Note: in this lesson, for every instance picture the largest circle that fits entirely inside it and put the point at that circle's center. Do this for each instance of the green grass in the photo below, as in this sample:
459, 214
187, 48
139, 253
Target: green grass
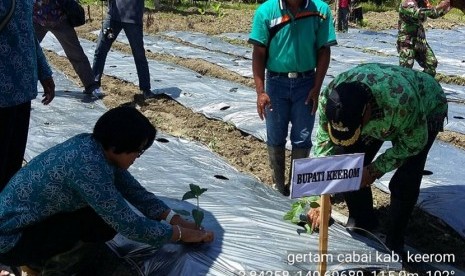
370, 6
455, 14
92, 2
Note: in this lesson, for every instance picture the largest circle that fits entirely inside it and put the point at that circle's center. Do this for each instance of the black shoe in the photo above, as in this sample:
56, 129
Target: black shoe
148, 94
287, 191
364, 230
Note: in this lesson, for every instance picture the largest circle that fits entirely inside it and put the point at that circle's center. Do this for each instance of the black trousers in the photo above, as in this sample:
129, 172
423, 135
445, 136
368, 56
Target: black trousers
404, 184
14, 127
57, 234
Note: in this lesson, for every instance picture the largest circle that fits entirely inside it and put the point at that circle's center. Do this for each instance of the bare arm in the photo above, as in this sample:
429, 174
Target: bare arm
324, 56
258, 68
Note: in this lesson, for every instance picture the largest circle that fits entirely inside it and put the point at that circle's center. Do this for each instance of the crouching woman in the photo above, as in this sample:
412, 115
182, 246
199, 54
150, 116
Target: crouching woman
77, 192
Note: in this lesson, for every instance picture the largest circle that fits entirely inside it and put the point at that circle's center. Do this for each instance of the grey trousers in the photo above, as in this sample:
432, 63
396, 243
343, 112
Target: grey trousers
68, 39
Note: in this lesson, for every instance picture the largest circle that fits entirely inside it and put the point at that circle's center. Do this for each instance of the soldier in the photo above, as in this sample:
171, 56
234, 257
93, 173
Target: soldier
411, 38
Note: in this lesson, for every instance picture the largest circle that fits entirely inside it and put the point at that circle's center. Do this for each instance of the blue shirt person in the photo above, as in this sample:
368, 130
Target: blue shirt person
77, 193
22, 64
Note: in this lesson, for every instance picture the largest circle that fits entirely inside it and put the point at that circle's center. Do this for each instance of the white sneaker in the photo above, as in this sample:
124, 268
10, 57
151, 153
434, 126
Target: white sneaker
98, 93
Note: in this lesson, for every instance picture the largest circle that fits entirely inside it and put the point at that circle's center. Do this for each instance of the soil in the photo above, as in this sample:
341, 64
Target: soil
245, 152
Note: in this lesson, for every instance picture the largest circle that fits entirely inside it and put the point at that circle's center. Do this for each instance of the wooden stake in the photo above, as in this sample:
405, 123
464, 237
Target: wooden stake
323, 248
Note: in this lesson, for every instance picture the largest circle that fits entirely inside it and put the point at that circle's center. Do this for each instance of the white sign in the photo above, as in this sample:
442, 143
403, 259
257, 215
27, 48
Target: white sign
326, 175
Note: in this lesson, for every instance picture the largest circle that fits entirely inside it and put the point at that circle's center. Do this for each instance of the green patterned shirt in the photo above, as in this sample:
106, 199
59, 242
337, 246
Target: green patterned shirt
412, 15
406, 101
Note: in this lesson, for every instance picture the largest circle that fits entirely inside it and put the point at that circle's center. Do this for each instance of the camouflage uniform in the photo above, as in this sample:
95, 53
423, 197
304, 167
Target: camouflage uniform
411, 39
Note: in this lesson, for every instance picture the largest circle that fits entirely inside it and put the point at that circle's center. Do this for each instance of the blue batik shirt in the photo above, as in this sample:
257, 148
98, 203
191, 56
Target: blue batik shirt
74, 175
22, 62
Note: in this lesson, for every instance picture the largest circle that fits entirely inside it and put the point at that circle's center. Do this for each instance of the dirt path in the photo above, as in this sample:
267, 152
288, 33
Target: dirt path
243, 151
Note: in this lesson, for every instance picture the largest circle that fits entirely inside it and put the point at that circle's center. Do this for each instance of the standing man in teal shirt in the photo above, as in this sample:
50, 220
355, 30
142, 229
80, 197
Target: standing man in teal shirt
291, 40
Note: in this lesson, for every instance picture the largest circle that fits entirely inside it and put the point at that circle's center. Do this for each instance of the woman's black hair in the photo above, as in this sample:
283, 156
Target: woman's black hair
124, 130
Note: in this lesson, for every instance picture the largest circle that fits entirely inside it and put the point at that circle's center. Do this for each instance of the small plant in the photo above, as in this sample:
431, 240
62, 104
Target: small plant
213, 144
195, 192
362, 23
218, 10
299, 209
202, 10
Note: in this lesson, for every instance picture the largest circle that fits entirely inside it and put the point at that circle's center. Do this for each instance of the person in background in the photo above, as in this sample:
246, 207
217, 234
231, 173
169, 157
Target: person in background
76, 194
411, 37
360, 110
49, 16
291, 40
343, 12
124, 15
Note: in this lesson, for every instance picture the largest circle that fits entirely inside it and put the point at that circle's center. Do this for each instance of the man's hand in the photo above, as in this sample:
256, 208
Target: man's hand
444, 5
313, 97
263, 102
367, 178
49, 90
313, 217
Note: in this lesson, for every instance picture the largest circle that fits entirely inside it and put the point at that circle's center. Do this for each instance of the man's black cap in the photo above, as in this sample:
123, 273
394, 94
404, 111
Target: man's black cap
344, 110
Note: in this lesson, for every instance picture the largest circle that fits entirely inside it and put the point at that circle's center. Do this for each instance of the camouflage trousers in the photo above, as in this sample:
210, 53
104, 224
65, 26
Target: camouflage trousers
424, 55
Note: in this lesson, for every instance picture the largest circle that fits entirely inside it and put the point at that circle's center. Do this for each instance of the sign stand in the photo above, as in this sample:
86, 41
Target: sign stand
324, 176
325, 208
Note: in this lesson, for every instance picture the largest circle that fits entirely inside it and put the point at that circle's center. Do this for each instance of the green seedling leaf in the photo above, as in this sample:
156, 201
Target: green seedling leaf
294, 214
198, 216
314, 204
196, 190
203, 190
309, 228
188, 195
289, 215
297, 214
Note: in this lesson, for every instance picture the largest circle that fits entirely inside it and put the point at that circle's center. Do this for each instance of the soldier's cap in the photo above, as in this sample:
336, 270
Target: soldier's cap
344, 110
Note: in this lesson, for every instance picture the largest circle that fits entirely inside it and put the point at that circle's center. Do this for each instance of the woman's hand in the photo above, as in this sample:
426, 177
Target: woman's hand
191, 235
178, 220
186, 231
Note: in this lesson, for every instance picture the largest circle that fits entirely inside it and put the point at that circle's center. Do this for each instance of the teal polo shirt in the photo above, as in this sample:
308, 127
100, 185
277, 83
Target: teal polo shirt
292, 41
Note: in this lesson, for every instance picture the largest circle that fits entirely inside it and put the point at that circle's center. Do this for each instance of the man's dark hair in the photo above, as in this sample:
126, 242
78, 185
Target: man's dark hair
124, 129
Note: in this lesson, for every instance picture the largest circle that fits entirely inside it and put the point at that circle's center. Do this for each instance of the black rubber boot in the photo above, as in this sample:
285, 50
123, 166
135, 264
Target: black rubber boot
361, 211
277, 157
